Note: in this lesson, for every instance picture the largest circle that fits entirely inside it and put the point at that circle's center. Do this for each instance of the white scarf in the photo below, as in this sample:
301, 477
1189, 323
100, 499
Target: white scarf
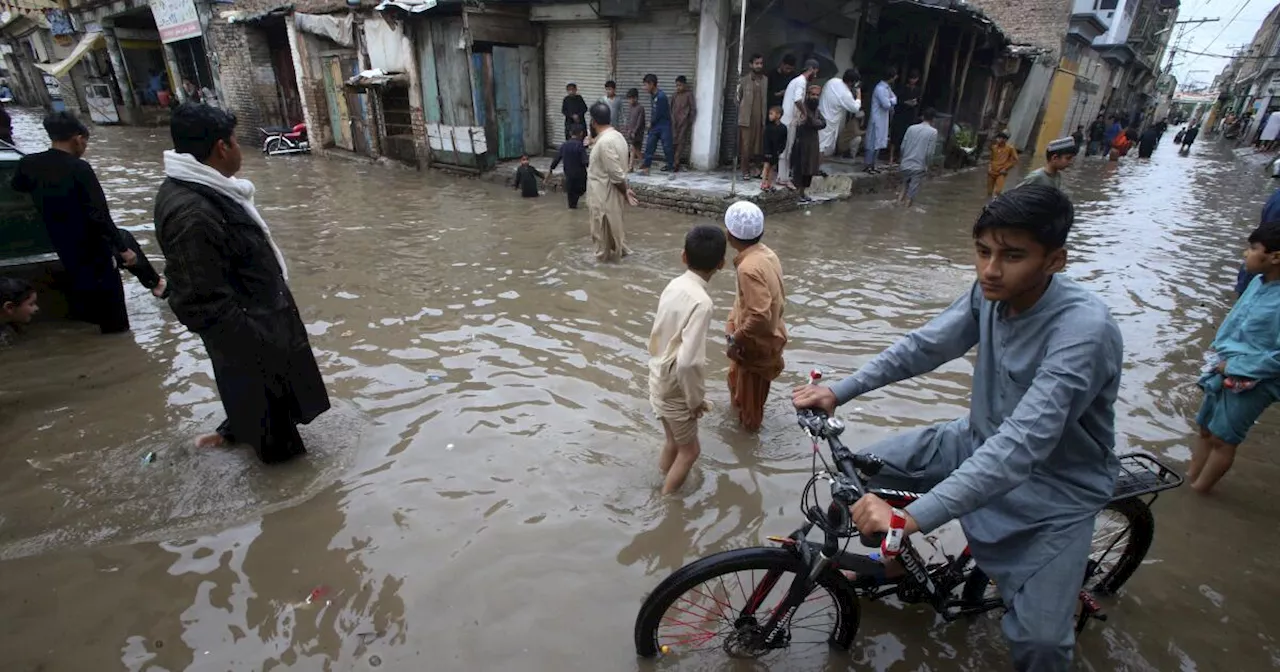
185, 167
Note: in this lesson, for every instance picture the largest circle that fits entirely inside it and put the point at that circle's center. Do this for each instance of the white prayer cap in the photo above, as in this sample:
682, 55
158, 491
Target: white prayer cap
745, 220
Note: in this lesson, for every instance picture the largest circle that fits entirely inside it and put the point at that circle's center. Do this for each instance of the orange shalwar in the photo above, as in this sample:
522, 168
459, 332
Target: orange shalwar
1003, 158
758, 332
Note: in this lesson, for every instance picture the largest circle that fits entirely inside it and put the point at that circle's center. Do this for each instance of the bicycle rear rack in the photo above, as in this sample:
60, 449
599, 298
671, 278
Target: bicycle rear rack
1143, 475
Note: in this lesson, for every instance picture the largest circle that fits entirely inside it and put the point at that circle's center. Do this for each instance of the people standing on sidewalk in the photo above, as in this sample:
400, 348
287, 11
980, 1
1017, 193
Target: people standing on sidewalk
1097, 136
1058, 156
905, 113
775, 141
918, 144
678, 354
684, 109
780, 78
70, 200
840, 100
882, 104
635, 129
574, 109
755, 333
607, 192
792, 113
617, 107
1003, 158
753, 111
229, 286
659, 126
806, 157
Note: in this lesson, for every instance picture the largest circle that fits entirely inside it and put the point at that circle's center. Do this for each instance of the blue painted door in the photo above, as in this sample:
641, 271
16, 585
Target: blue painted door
507, 102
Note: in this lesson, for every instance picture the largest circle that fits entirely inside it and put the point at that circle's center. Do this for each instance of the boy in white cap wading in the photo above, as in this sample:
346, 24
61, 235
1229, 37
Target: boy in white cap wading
1058, 156
755, 333
678, 354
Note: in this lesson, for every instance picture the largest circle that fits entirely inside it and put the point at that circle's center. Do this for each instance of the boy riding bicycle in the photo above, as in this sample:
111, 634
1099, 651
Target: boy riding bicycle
1032, 465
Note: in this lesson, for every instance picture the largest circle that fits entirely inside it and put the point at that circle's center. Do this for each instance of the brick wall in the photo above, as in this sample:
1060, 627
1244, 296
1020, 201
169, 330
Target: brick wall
1042, 23
236, 73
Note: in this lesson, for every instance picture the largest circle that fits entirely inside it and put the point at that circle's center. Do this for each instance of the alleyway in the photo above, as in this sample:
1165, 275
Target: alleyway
485, 497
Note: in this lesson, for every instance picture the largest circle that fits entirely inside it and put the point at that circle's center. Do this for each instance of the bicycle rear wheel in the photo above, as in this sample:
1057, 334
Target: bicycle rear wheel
716, 606
1122, 534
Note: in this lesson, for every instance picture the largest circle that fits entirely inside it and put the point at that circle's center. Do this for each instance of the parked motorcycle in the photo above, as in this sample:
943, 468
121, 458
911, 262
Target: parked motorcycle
282, 140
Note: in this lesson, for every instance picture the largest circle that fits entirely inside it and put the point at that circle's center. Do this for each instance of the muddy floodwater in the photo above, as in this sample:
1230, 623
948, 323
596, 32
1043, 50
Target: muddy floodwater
484, 495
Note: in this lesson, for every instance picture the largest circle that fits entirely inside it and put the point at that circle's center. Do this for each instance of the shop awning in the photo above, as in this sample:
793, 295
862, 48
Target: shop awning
89, 41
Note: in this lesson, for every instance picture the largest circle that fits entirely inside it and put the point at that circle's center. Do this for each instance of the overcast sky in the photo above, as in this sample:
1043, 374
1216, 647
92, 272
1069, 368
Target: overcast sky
1214, 38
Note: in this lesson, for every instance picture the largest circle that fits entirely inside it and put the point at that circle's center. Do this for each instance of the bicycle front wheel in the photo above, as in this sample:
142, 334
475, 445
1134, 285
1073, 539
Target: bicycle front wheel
719, 605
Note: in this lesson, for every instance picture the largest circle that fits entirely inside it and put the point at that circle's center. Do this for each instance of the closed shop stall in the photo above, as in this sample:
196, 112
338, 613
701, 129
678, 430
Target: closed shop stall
772, 36
578, 52
664, 43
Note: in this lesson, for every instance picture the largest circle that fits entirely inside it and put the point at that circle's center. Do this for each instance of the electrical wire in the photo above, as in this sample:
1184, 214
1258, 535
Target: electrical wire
1229, 22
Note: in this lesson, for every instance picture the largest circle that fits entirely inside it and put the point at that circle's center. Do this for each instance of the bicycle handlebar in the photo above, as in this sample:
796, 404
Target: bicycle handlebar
847, 486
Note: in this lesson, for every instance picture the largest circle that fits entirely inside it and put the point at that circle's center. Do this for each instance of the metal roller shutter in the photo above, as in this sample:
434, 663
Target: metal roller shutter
665, 44
578, 53
729, 123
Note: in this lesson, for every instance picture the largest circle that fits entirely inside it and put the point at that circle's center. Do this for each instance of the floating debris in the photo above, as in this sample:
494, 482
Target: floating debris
149, 457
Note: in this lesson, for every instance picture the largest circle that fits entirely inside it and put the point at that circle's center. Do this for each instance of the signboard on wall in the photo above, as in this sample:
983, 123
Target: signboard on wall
176, 19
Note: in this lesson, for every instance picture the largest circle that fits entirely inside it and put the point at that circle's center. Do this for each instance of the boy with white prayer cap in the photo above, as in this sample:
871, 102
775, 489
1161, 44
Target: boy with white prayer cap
755, 332
1058, 156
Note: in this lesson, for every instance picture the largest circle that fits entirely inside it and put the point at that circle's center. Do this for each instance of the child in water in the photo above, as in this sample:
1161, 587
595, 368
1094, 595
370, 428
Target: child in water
17, 306
1241, 375
678, 354
526, 179
574, 155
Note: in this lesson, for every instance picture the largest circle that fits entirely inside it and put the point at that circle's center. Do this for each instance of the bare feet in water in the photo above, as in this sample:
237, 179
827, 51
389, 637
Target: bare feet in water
214, 440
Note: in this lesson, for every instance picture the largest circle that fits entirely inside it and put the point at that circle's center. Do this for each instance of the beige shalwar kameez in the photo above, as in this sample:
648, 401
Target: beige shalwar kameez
607, 170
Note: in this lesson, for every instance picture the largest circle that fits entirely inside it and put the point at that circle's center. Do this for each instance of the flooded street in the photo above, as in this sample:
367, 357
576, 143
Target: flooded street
485, 494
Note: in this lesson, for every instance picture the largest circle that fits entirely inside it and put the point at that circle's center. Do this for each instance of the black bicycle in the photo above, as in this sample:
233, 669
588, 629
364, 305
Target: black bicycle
741, 603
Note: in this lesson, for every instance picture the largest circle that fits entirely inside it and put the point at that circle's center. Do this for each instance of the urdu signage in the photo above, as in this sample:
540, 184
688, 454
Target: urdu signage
176, 19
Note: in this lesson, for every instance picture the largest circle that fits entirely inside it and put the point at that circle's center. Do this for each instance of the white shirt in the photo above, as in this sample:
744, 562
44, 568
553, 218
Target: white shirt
678, 348
837, 100
794, 94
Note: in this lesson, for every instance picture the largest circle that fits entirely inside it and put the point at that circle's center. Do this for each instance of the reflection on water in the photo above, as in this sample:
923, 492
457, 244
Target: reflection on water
485, 494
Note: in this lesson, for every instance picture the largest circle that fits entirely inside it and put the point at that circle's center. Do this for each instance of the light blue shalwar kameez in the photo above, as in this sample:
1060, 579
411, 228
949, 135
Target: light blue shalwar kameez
877, 138
1249, 342
1029, 469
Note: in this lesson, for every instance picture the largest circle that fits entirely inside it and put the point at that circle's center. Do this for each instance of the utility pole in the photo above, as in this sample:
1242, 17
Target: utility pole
1182, 30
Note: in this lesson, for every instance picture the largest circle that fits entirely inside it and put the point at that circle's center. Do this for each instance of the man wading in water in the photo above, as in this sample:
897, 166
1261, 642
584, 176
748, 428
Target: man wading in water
227, 281
1034, 462
607, 191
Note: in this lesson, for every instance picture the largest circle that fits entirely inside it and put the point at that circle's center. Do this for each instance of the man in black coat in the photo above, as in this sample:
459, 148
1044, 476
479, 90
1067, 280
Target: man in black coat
228, 284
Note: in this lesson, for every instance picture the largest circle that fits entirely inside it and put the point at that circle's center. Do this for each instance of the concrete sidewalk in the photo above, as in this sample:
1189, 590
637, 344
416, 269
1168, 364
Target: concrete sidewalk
710, 193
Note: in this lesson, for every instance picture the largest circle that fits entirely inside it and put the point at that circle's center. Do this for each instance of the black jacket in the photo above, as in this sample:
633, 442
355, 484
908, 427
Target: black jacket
574, 105
574, 156
226, 286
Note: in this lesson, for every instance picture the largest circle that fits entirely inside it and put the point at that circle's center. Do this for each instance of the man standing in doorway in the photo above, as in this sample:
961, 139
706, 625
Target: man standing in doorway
754, 332
69, 198
840, 99
753, 109
882, 102
229, 285
607, 190
574, 109
904, 113
780, 78
683, 111
792, 114
659, 126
